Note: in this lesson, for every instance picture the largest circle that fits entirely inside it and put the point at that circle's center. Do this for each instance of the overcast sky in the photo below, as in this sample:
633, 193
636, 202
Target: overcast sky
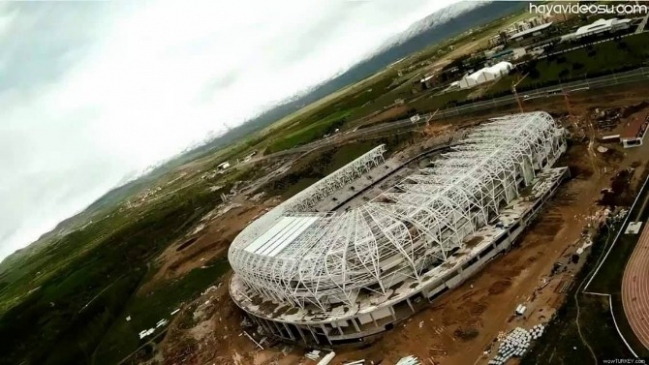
93, 92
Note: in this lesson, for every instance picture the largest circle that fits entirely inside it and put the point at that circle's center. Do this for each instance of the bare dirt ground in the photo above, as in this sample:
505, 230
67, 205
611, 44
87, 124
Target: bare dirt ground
208, 241
459, 326
209, 331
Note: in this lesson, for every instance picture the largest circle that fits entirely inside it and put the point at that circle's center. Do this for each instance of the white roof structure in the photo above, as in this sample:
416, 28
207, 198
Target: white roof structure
281, 235
429, 77
300, 257
538, 28
486, 74
602, 25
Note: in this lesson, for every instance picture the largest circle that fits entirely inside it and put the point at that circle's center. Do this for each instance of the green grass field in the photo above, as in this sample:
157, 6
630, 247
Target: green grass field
148, 308
295, 136
602, 58
87, 280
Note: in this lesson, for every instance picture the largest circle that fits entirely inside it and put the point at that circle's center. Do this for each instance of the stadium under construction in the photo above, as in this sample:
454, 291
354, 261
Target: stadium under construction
305, 273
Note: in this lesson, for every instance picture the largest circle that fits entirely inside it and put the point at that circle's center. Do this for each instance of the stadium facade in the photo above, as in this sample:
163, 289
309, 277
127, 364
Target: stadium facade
344, 276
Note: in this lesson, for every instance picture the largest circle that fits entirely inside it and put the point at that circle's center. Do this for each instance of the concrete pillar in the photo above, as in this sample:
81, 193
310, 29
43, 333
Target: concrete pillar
299, 329
290, 333
353, 320
324, 330
263, 325
279, 329
410, 305
254, 320
374, 320
341, 328
313, 334
394, 316
270, 327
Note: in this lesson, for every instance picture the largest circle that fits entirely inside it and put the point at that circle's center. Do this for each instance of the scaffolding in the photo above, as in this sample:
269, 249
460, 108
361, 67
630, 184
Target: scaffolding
404, 232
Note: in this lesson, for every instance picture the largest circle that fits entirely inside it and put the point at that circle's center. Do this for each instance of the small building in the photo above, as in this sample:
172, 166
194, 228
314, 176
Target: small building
527, 24
518, 53
602, 26
539, 47
497, 39
491, 52
538, 20
486, 74
249, 156
426, 82
532, 32
223, 165
634, 134
504, 55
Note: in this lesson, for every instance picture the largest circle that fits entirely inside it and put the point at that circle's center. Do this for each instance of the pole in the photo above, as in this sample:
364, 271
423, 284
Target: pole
565, 95
518, 100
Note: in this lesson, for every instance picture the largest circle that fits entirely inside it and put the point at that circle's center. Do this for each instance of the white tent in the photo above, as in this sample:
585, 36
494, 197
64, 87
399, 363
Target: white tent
486, 74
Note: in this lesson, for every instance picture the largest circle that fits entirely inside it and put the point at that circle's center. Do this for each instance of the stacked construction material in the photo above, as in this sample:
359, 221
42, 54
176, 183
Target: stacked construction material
313, 355
327, 359
514, 345
409, 360
356, 362
537, 331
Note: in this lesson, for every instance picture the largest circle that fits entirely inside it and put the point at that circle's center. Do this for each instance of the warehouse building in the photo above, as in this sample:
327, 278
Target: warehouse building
602, 26
532, 32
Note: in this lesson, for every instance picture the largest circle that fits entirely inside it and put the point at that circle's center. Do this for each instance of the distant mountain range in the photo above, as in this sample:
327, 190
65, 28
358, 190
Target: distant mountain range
441, 25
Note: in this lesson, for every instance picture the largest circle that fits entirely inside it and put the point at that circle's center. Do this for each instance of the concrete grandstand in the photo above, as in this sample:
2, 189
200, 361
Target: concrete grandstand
344, 276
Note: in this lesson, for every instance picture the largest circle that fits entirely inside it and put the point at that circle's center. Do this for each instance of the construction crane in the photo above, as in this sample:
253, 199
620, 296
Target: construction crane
518, 100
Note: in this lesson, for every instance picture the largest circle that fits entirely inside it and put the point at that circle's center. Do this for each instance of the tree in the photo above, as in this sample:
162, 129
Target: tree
534, 73
564, 73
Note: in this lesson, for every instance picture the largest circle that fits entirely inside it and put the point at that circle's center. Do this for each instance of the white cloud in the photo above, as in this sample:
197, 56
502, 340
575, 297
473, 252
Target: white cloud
120, 86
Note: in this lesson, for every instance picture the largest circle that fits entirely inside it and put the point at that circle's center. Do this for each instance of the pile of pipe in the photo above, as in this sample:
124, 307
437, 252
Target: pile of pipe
537, 331
516, 344
313, 355
409, 360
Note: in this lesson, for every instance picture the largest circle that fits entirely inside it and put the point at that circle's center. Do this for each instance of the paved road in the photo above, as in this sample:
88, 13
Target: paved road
641, 74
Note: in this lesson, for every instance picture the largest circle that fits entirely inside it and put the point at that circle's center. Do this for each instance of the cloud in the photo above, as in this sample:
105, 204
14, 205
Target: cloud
93, 92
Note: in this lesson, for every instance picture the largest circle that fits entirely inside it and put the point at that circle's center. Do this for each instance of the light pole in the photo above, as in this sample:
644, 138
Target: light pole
518, 100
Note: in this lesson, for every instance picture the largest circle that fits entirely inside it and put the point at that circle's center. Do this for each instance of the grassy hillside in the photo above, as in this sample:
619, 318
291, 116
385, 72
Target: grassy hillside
72, 293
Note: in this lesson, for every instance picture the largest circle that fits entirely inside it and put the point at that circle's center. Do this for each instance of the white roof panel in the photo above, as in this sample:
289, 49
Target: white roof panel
279, 236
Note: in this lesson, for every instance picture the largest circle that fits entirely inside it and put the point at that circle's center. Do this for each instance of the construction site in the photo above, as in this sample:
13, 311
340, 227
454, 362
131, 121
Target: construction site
320, 276
366, 265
